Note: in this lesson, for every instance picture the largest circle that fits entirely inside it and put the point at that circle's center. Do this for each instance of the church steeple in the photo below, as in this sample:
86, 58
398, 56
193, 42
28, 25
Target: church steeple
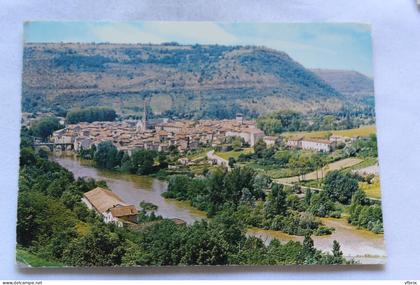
144, 119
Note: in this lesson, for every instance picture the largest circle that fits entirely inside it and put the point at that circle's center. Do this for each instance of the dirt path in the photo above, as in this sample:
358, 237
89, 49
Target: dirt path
373, 169
219, 160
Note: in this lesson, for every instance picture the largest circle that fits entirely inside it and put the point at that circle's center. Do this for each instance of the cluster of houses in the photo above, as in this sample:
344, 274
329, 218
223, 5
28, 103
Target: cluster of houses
161, 134
182, 134
321, 145
158, 135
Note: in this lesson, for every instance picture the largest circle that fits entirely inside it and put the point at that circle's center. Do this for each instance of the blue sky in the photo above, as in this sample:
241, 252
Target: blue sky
315, 45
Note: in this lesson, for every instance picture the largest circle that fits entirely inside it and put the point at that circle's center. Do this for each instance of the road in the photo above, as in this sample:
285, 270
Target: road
220, 161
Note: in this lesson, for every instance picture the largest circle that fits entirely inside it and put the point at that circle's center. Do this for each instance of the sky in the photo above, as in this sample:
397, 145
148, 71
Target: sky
344, 46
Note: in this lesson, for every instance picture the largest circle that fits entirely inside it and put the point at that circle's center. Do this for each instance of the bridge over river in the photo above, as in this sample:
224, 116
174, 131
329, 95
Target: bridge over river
54, 146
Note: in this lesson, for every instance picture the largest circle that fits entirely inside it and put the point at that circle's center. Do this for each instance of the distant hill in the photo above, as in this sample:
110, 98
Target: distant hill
193, 81
349, 83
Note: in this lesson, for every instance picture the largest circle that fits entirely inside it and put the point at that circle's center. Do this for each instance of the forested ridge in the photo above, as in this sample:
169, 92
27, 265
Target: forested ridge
251, 80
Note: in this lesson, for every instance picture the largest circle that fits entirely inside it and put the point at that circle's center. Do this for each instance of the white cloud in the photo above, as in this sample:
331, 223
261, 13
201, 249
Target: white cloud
191, 32
123, 33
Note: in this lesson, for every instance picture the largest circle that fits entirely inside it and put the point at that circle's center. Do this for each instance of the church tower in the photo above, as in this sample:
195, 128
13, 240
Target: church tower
142, 124
144, 118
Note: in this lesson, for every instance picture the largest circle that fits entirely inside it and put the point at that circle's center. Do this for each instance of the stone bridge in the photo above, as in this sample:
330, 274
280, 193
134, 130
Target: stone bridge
55, 146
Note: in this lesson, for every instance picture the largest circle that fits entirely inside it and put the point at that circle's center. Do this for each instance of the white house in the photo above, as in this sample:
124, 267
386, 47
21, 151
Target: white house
317, 145
339, 139
311, 144
250, 135
294, 142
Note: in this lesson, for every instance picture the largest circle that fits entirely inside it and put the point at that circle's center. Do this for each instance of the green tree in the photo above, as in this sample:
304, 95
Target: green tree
143, 161
99, 247
231, 162
106, 155
365, 214
276, 203
41, 217
261, 184
259, 148
177, 187
321, 205
126, 163
215, 188
336, 249
247, 198
280, 121
307, 254
308, 196
91, 114
162, 160
204, 246
235, 181
44, 127
27, 156
340, 186
236, 143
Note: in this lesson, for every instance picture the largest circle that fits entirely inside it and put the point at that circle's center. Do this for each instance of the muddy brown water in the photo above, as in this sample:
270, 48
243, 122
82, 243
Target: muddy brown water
134, 188
361, 245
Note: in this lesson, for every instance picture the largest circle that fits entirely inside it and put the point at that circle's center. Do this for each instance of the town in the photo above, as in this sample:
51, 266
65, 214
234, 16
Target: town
184, 135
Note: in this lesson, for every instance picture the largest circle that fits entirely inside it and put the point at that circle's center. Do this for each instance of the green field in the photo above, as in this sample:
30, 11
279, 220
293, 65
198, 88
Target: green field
270, 170
234, 153
27, 258
198, 154
372, 190
336, 165
362, 132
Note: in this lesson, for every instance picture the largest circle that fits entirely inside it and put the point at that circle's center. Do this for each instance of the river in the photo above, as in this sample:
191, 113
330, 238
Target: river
362, 245
134, 188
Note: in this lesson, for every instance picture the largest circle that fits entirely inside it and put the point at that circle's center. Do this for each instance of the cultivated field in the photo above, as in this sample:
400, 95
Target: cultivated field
372, 190
362, 132
234, 154
337, 165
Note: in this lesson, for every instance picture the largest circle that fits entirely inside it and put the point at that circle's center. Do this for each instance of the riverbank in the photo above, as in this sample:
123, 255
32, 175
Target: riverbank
361, 245
134, 188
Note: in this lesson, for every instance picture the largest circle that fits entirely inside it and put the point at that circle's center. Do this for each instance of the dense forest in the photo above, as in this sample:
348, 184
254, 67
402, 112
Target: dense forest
55, 226
292, 121
91, 114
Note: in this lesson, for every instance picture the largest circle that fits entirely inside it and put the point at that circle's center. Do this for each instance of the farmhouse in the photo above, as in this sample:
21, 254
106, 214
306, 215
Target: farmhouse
339, 139
110, 206
311, 144
295, 142
318, 145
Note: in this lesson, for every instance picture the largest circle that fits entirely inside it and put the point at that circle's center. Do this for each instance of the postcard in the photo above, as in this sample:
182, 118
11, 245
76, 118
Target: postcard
198, 143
